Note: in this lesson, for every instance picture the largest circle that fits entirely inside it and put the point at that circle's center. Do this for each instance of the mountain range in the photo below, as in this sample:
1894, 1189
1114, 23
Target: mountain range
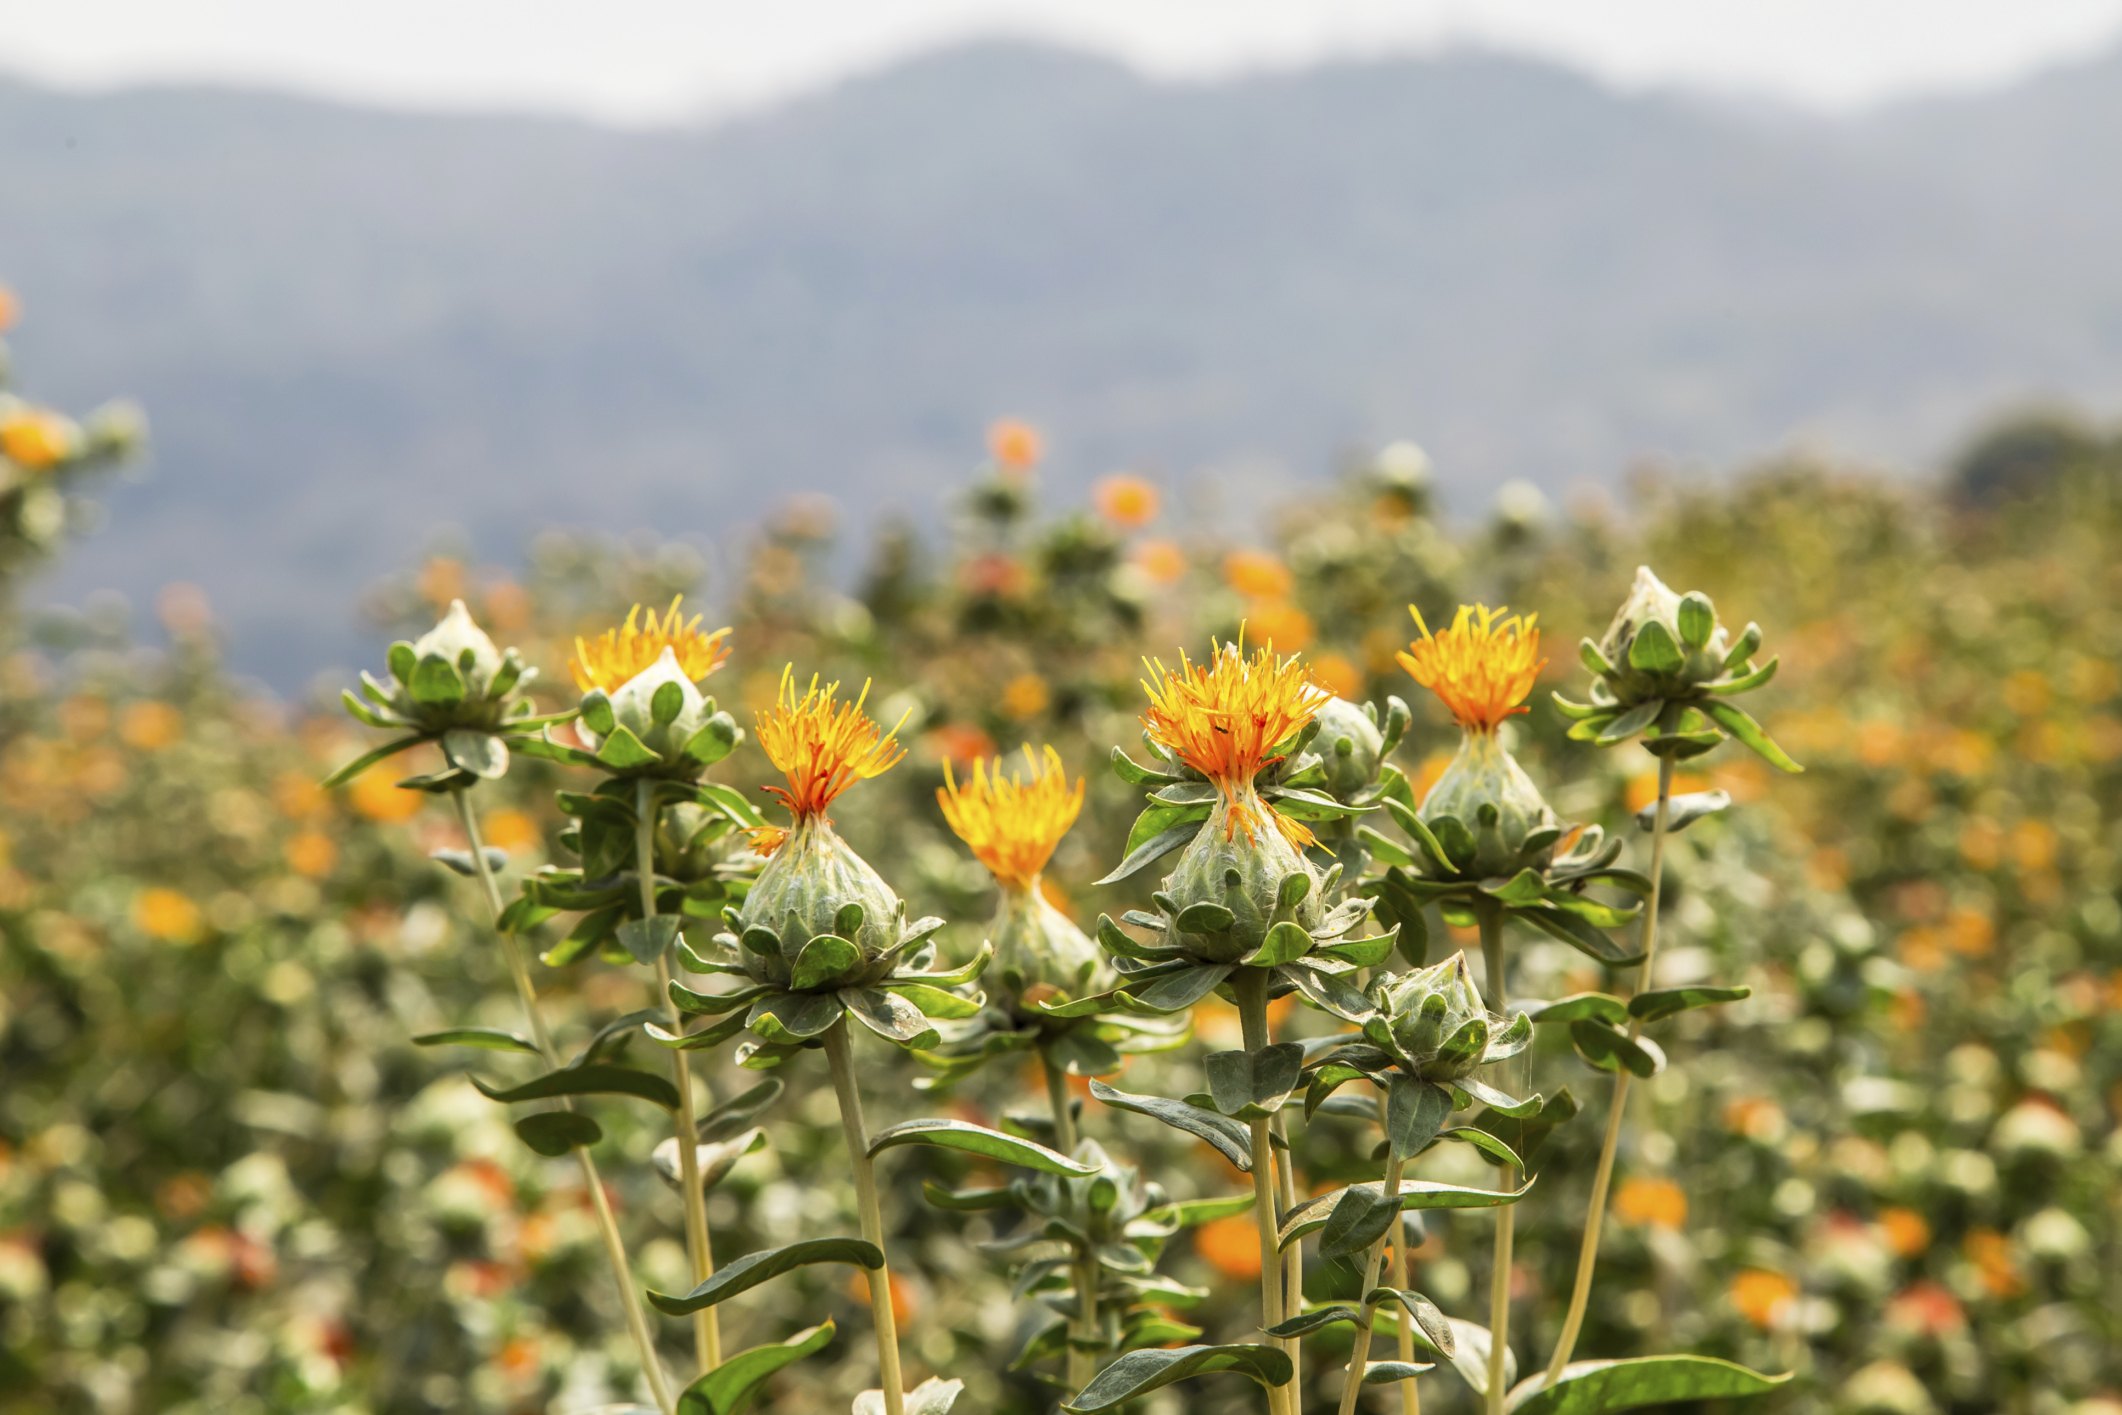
350, 326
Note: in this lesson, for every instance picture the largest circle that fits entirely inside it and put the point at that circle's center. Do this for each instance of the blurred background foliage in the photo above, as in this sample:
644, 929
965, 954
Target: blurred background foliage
228, 1182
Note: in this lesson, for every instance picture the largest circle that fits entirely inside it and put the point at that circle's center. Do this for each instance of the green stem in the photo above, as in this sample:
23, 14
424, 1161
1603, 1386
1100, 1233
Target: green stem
707, 1329
1359, 1358
1410, 1398
1602, 1177
1250, 986
607, 1222
1057, 1098
1506, 1222
1083, 1360
1286, 1195
880, 1281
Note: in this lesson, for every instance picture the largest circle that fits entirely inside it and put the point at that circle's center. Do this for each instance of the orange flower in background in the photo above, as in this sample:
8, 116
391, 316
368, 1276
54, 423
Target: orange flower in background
510, 830
1012, 824
312, 853
823, 746
1127, 502
1655, 1203
375, 796
1161, 560
1763, 1297
1482, 668
1278, 624
150, 726
959, 742
609, 662
1230, 1245
168, 915
1025, 695
1256, 573
1339, 675
904, 1303
35, 439
1990, 1252
1225, 719
299, 796
10, 309
1015, 445
1907, 1232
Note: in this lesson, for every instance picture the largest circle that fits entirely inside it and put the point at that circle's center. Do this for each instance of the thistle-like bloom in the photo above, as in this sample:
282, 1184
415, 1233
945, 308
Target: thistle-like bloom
610, 661
823, 746
1482, 668
1012, 825
1226, 718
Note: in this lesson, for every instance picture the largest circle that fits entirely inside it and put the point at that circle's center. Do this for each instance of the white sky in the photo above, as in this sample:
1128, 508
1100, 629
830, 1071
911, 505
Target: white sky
651, 61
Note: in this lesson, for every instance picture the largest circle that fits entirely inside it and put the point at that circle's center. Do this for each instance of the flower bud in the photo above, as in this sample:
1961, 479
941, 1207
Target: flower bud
1486, 791
661, 710
454, 677
816, 884
1349, 746
1662, 644
1432, 1020
1246, 874
1041, 956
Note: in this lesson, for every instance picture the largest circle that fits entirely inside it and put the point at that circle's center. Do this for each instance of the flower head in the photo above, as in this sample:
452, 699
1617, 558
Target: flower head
1127, 502
608, 662
1225, 719
1011, 823
1482, 667
1015, 445
34, 439
821, 745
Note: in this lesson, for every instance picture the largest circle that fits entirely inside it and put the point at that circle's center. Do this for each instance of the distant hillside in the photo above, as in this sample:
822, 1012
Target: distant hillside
347, 324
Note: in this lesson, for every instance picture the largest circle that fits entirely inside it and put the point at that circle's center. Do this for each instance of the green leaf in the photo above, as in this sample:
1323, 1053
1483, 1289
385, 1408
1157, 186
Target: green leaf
1664, 1002
1176, 991
1698, 619
1580, 935
1748, 733
1361, 1215
711, 1162
481, 753
732, 1387
623, 751
934, 1001
368, 759
435, 683
1317, 1319
1610, 1050
968, 1200
707, 1004
788, 1018
1746, 683
555, 1132
1385, 1373
1683, 811
1310, 1216
1139, 1372
1132, 772
595, 1079
978, 1140
1593, 660
402, 658
825, 960
934, 1396
1436, 1328
1629, 723
1285, 942
1414, 1112
1186, 1213
730, 802
1653, 650
649, 939
1168, 828
749, 1271
1249, 1083
1383, 848
1596, 1005
891, 1017
492, 1038
1230, 1139
1205, 917
1602, 1387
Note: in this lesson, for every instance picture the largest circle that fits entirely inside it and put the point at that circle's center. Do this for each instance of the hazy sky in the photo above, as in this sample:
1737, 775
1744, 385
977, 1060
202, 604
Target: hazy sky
646, 61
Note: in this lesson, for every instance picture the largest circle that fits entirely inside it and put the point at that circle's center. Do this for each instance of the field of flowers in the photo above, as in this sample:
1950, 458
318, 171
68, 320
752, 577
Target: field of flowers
231, 1182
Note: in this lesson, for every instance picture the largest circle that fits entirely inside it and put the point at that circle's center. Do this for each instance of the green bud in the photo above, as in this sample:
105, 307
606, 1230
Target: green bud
1225, 869
1486, 791
1433, 1020
1661, 644
814, 885
1349, 747
1041, 956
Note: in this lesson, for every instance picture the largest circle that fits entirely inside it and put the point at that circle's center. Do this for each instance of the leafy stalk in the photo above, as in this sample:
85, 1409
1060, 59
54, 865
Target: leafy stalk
1064, 1113
880, 1281
1250, 985
1410, 1397
707, 1329
1082, 1361
1602, 1177
607, 1222
1506, 1220
1359, 1357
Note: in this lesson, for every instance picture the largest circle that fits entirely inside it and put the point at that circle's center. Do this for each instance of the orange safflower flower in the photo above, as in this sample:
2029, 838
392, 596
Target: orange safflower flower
1907, 1232
311, 853
822, 746
10, 309
1015, 445
1278, 624
1482, 668
1225, 719
1257, 574
1161, 560
1025, 695
609, 662
34, 439
1656, 1203
168, 915
150, 726
375, 796
1230, 1245
1127, 502
1763, 1297
1012, 824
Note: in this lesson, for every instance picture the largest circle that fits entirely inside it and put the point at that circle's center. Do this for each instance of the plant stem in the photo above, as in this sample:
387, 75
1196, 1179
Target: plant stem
1083, 1362
1250, 986
1359, 1358
1410, 1398
1286, 1196
707, 1328
1602, 1177
1506, 1214
607, 1222
1064, 1111
880, 1281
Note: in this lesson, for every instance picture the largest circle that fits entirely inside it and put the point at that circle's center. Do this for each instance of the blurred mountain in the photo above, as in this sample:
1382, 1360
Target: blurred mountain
351, 324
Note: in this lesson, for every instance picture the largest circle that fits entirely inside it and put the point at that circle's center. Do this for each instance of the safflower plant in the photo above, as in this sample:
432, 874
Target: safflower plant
817, 948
